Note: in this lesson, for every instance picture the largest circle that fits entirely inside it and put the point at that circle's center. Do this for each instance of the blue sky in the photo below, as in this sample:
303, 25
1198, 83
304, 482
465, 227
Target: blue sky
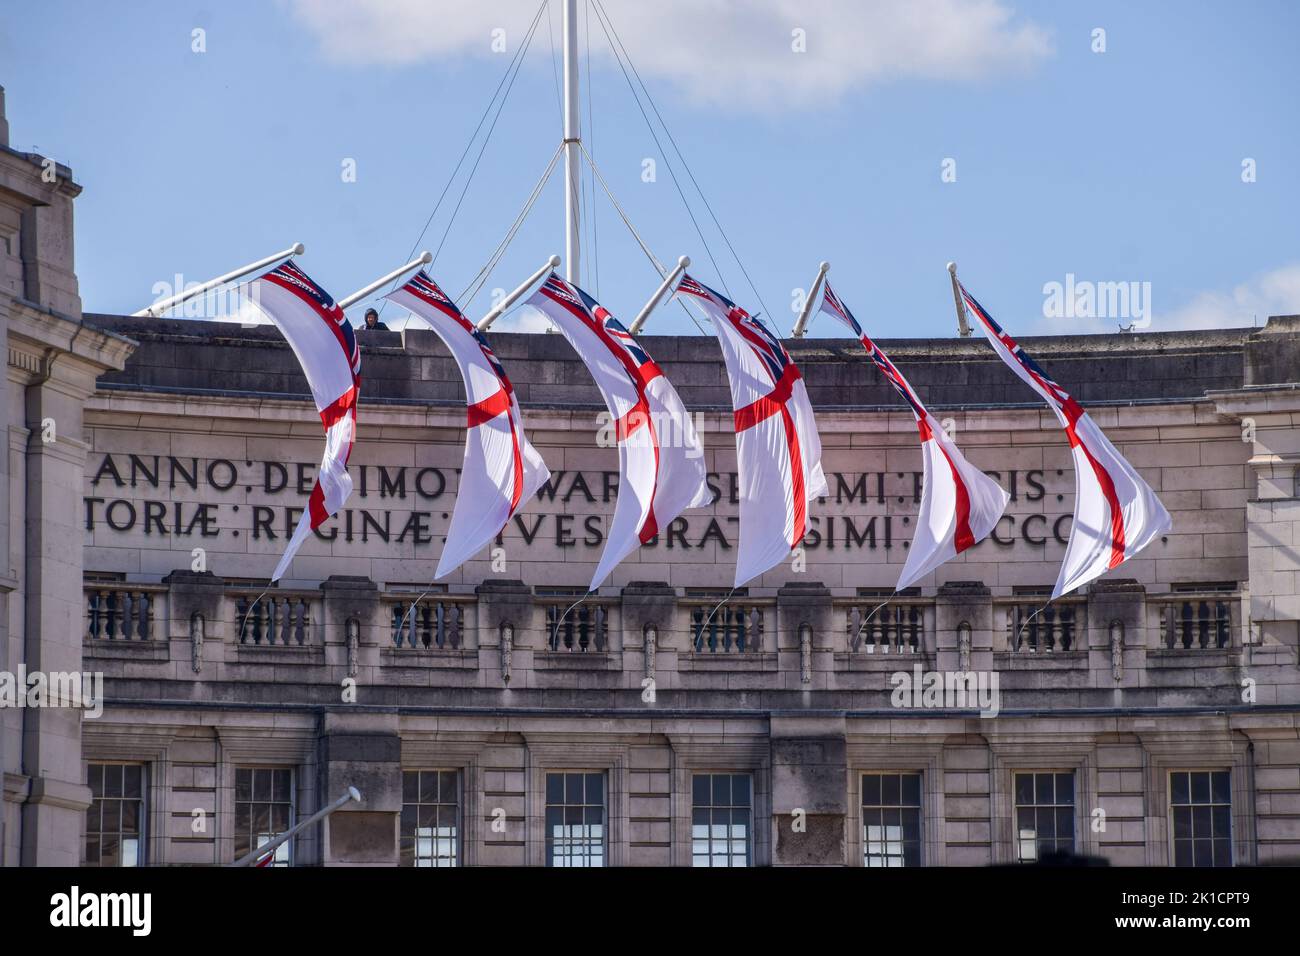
1117, 166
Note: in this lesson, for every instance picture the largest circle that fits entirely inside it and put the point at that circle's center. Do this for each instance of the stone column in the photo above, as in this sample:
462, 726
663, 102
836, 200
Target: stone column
964, 602
809, 787
648, 605
351, 597
54, 618
362, 751
504, 603
190, 593
799, 604
1120, 601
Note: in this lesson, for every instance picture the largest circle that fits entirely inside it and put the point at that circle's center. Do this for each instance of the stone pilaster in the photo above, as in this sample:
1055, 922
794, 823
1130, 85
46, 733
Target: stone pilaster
809, 802
351, 598
800, 607
1121, 602
362, 751
964, 602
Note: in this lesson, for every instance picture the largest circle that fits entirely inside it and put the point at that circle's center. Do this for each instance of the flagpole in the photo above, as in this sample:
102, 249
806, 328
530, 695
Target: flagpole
510, 300
572, 140
802, 322
360, 294
669, 281
158, 308
271, 845
963, 323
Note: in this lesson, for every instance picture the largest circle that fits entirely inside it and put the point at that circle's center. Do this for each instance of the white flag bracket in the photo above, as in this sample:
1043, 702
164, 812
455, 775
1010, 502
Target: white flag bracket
670, 280
801, 323
963, 321
161, 306
422, 259
498, 309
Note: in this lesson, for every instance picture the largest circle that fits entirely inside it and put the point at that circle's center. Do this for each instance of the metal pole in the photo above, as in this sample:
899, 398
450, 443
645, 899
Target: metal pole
360, 294
270, 846
158, 308
510, 300
963, 323
669, 281
801, 323
572, 140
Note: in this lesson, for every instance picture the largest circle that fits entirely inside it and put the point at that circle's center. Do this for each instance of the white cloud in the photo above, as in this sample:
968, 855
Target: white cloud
716, 51
1273, 293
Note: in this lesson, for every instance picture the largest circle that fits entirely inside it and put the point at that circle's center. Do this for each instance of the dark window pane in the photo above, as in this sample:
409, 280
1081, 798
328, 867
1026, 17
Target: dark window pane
1180, 788
92, 850
1064, 822
1024, 789
410, 787
243, 784
95, 779
721, 790
1182, 853
1182, 823
871, 790
1222, 821
912, 789
1043, 787
1046, 821
1200, 788
555, 788
700, 790
448, 787
1203, 852
740, 790
133, 781
282, 786
595, 788
1065, 788
261, 785
1220, 787
113, 780
1222, 853
1201, 826
890, 791
428, 787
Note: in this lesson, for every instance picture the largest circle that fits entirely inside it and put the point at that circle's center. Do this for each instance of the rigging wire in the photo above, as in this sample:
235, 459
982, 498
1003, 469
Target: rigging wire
591, 138
465, 152
486, 139
600, 17
483, 274
654, 260
600, 9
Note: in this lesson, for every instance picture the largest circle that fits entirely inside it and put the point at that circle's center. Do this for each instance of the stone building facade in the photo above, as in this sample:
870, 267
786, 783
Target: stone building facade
1152, 719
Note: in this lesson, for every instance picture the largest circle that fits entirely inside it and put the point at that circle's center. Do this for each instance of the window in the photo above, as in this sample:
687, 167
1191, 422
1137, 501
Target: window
263, 810
722, 808
430, 818
1044, 814
575, 819
891, 819
115, 817
1200, 802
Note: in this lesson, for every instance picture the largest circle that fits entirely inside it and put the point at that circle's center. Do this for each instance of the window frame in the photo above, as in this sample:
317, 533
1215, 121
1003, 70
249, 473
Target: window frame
1169, 812
1016, 807
291, 850
920, 808
547, 848
458, 859
750, 840
144, 830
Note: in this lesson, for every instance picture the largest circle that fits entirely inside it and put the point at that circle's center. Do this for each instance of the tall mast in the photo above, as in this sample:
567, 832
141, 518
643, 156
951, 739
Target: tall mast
572, 138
